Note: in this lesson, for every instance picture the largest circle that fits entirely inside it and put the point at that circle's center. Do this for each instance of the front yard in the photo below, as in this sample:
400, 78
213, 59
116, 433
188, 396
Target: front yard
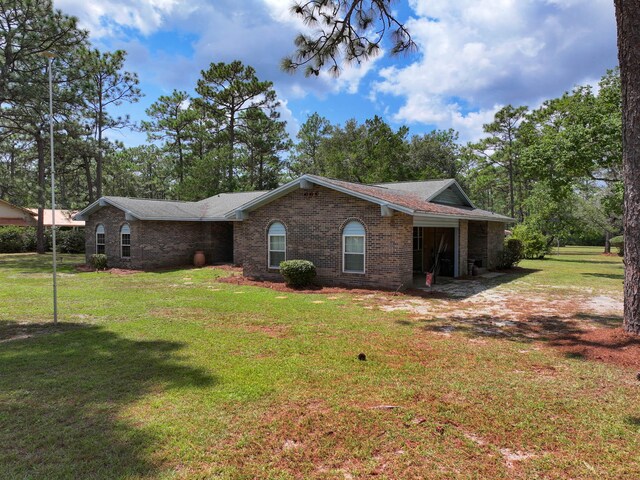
177, 375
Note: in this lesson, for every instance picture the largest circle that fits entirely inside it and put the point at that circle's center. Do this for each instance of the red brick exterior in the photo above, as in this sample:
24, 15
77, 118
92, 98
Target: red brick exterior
463, 247
159, 244
486, 242
314, 219
495, 243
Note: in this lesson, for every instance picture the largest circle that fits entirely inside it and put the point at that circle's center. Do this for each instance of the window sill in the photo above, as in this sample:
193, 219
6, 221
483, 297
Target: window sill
353, 272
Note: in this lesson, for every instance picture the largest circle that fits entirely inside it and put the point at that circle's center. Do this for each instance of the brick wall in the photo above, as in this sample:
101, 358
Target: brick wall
463, 247
159, 244
478, 238
314, 219
495, 242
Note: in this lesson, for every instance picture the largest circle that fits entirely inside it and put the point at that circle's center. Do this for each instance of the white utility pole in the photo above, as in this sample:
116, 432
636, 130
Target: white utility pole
50, 57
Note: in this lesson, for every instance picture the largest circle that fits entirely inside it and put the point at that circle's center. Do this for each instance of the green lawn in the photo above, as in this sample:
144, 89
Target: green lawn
175, 375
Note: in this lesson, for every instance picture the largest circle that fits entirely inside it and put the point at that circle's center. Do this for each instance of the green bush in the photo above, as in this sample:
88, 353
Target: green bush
70, 241
12, 239
534, 244
512, 253
618, 242
30, 239
22, 239
99, 261
298, 273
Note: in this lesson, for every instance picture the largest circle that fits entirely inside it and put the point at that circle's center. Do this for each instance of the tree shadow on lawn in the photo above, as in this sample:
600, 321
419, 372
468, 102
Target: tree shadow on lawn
566, 260
534, 328
34, 263
61, 393
612, 276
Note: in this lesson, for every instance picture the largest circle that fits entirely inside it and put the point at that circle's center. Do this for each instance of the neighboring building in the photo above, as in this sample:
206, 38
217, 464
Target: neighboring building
13, 215
357, 235
28, 217
64, 218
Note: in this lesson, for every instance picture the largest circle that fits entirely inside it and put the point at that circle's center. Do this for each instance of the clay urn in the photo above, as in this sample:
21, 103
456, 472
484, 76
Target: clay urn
198, 259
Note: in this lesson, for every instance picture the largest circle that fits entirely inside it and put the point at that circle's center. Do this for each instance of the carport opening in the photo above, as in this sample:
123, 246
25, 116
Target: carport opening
431, 243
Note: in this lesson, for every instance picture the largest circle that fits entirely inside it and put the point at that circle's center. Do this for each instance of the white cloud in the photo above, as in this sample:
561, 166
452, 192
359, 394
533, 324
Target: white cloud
478, 54
104, 18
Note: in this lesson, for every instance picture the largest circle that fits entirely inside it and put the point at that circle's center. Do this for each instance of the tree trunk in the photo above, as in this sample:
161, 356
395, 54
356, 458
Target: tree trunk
180, 159
99, 123
628, 21
87, 173
607, 243
40, 243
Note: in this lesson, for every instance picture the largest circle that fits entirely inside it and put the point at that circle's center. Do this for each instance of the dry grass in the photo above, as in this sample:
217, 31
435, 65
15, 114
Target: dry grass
175, 375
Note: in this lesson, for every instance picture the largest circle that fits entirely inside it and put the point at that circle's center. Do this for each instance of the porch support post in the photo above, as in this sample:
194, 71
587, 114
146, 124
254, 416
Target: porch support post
463, 247
456, 252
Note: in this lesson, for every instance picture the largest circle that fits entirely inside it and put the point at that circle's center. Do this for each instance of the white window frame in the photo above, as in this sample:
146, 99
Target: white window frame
344, 249
269, 235
122, 245
104, 238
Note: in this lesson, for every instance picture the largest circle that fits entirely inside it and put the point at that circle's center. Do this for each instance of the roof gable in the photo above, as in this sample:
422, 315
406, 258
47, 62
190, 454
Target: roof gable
404, 197
11, 214
452, 195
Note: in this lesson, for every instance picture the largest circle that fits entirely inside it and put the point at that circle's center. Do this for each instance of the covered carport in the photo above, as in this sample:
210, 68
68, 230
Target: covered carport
436, 237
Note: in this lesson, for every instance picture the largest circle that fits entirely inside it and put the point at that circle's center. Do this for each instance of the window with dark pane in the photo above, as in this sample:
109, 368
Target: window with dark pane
125, 241
277, 245
100, 239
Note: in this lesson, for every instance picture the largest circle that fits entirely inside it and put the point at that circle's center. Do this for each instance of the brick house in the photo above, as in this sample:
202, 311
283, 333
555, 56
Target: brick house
356, 235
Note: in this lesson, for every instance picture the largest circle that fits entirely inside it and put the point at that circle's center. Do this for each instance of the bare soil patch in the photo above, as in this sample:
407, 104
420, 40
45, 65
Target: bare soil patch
83, 268
282, 287
609, 345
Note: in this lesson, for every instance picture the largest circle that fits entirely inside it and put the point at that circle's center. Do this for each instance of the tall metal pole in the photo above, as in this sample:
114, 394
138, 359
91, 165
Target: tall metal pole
53, 195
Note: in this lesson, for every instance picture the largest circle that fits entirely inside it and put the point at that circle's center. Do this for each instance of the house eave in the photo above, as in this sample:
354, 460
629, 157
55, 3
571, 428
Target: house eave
483, 218
306, 180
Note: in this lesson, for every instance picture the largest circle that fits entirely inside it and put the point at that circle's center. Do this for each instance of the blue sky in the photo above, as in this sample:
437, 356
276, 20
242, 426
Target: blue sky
474, 56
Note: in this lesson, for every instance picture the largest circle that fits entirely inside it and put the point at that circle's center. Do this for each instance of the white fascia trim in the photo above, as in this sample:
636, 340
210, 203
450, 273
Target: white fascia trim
87, 211
185, 219
266, 198
464, 217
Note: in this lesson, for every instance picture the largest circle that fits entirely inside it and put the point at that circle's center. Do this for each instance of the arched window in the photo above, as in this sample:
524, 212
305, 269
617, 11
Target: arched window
100, 248
277, 244
353, 244
125, 241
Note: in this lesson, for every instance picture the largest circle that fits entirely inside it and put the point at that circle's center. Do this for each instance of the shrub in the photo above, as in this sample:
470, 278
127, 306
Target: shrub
31, 239
618, 242
512, 253
534, 243
298, 273
70, 241
99, 261
12, 239
22, 239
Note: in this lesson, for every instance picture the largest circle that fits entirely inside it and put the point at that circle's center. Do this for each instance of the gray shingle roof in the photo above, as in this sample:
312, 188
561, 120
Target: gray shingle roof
426, 189
212, 208
408, 197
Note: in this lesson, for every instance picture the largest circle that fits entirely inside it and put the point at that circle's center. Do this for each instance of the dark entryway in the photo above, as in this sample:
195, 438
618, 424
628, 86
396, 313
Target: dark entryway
432, 242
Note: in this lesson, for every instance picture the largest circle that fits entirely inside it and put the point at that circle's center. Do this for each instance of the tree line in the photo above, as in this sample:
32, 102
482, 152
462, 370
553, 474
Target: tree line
556, 167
